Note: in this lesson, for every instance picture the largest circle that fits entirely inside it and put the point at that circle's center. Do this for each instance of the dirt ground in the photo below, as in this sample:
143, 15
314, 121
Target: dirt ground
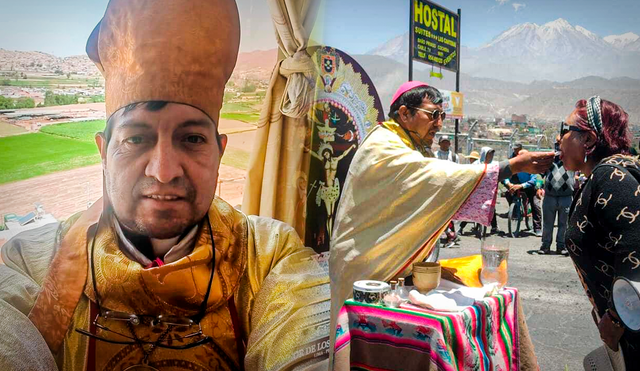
556, 308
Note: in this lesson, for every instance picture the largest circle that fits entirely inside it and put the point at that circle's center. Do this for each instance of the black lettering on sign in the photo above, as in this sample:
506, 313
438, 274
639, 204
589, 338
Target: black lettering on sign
435, 30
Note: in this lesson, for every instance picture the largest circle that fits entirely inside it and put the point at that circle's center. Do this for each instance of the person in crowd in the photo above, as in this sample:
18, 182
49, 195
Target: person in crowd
558, 193
603, 235
450, 236
473, 157
445, 152
517, 147
160, 274
525, 182
397, 201
487, 154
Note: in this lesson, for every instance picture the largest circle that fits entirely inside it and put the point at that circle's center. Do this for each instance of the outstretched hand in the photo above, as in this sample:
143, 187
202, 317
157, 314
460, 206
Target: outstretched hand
531, 162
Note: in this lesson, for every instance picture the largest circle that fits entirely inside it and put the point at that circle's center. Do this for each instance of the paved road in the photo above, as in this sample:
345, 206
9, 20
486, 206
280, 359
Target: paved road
556, 307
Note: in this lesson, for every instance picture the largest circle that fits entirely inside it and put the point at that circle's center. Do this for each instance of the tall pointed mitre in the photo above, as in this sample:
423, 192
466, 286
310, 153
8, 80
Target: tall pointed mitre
180, 51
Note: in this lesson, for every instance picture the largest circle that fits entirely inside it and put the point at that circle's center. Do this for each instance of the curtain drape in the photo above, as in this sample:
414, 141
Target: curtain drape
277, 177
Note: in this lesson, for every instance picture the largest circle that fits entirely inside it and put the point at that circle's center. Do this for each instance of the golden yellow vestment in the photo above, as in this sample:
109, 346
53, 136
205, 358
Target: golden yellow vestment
395, 204
280, 292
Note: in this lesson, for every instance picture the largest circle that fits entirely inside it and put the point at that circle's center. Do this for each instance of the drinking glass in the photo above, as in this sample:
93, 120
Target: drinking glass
495, 252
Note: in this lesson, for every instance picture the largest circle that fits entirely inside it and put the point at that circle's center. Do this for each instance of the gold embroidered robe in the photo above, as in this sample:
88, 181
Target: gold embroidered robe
281, 296
394, 205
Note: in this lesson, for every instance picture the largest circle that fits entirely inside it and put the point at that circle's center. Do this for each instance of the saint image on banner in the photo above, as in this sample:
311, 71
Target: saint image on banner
345, 108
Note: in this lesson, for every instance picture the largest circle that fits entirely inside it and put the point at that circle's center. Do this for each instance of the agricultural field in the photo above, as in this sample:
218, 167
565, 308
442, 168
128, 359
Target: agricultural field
39, 81
55, 148
63, 147
29, 155
245, 111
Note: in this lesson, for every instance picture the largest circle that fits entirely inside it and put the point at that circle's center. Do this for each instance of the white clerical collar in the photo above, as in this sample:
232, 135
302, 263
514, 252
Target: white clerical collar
177, 252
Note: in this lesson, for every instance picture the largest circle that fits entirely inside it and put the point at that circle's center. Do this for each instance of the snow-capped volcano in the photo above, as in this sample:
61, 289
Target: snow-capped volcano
623, 41
556, 40
556, 51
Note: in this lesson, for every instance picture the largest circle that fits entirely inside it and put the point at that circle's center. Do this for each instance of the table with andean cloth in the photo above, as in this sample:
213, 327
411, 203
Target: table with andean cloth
484, 336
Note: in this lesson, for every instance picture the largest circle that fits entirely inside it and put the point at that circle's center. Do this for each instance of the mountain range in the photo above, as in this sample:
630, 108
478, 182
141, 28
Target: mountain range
528, 69
555, 51
490, 97
256, 64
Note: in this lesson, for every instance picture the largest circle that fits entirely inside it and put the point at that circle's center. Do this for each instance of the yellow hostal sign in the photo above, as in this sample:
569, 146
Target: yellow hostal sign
435, 35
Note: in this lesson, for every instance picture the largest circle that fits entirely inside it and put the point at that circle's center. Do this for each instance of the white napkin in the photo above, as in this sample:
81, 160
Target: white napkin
450, 296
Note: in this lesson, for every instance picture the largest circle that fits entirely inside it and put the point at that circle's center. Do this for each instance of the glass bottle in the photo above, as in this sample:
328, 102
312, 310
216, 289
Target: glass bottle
391, 299
393, 284
402, 291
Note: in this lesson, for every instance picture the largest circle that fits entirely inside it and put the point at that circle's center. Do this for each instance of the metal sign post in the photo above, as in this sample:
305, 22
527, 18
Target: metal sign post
410, 40
434, 38
458, 80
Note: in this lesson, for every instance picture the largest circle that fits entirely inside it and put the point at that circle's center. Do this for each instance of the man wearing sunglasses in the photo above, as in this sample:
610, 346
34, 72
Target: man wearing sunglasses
160, 274
398, 198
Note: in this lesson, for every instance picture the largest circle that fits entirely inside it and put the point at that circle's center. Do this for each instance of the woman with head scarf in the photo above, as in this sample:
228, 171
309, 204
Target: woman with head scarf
486, 155
603, 236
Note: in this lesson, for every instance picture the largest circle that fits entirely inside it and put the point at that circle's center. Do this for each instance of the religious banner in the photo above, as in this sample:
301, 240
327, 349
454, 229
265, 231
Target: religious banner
453, 103
346, 107
434, 32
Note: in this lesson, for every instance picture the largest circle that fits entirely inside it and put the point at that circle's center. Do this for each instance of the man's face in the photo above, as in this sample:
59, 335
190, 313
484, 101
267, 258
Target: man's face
423, 123
444, 145
161, 168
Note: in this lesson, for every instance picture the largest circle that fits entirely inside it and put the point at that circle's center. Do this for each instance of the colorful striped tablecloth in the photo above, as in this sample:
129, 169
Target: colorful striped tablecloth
480, 337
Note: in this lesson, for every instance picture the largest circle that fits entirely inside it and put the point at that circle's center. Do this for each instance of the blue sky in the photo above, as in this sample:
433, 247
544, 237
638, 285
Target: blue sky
61, 27
377, 21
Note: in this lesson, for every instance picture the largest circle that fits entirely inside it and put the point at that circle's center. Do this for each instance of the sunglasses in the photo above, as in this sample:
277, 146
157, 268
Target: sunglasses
565, 128
435, 114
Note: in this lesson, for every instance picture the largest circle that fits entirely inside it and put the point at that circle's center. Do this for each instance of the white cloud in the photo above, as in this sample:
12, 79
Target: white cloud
517, 6
502, 2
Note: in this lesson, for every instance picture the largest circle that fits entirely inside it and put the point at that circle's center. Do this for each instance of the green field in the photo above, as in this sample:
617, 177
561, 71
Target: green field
29, 155
84, 131
63, 147
40, 83
237, 107
244, 117
245, 111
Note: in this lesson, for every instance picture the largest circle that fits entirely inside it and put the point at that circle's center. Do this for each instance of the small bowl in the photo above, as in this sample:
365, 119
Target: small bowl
426, 276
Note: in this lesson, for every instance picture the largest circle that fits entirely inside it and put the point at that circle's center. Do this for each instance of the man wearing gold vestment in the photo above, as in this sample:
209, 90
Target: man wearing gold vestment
159, 274
398, 199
